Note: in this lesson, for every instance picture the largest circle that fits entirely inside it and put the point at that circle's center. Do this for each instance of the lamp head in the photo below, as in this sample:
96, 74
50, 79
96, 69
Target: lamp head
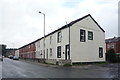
39, 11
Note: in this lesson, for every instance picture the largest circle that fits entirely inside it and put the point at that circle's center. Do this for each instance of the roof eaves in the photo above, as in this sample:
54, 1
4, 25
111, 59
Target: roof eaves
63, 27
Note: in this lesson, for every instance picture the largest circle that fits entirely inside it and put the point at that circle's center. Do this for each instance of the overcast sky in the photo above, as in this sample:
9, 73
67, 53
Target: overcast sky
20, 22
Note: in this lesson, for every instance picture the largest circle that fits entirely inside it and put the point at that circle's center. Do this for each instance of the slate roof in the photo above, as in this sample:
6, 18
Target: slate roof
110, 40
65, 26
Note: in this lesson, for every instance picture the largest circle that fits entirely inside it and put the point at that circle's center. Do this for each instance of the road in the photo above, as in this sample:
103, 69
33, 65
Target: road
22, 69
0, 69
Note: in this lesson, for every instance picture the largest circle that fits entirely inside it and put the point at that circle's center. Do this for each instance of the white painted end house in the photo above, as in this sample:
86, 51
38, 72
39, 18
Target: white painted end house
82, 40
16, 53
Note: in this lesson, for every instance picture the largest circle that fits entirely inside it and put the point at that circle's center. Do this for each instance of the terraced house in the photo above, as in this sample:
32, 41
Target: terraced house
28, 51
113, 43
82, 40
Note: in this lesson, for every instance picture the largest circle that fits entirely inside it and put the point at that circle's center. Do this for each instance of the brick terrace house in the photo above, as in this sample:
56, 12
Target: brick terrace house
10, 51
113, 43
27, 51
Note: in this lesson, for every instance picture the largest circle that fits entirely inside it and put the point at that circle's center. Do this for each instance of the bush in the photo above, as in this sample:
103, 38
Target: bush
111, 56
67, 65
118, 59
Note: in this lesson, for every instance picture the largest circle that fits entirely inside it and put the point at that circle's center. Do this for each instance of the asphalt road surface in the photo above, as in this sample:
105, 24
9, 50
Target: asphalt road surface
0, 69
22, 69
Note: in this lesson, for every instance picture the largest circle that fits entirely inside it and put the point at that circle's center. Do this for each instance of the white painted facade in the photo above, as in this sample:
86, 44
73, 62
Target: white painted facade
17, 53
52, 45
87, 51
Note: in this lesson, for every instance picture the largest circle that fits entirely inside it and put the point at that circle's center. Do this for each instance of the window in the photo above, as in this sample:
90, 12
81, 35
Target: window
44, 53
41, 52
50, 39
59, 37
100, 52
39, 44
47, 54
50, 51
110, 45
82, 35
59, 52
29, 46
90, 35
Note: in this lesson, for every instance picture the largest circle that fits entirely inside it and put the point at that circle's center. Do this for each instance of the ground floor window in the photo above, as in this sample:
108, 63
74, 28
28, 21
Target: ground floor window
59, 52
47, 54
50, 51
100, 52
41, 52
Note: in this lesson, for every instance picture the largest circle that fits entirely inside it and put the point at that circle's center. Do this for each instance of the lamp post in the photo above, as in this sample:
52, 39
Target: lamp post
44, 32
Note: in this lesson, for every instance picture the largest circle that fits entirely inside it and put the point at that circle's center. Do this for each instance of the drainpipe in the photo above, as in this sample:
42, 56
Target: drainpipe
69, 39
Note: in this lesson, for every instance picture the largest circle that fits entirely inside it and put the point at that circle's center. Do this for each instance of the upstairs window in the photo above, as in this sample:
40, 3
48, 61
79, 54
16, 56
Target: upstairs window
100, 52
29, 46
50, 39
59, 52
59, 37
39, 44
90, 35
82, 35
111, 45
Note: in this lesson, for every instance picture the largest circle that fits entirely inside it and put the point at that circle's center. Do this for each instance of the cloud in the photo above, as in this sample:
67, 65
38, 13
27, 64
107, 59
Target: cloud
104, 12
20, 22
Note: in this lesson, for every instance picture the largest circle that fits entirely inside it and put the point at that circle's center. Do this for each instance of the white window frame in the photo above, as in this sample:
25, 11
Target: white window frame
82, 36
90, 35
59, 37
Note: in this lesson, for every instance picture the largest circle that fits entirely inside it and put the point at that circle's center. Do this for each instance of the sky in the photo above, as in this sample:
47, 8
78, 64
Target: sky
20, 22
119, 18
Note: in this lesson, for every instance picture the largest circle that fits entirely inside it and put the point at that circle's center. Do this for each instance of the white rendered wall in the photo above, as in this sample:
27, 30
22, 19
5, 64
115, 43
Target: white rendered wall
87, 51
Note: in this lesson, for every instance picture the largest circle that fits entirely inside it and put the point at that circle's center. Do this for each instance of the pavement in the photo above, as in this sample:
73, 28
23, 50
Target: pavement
26, 69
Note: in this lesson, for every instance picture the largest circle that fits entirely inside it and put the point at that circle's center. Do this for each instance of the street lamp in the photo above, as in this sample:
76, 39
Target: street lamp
44, 31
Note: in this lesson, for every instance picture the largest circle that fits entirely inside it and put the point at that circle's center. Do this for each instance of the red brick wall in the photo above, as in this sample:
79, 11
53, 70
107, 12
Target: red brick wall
116, 46
110, 44
28, 51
